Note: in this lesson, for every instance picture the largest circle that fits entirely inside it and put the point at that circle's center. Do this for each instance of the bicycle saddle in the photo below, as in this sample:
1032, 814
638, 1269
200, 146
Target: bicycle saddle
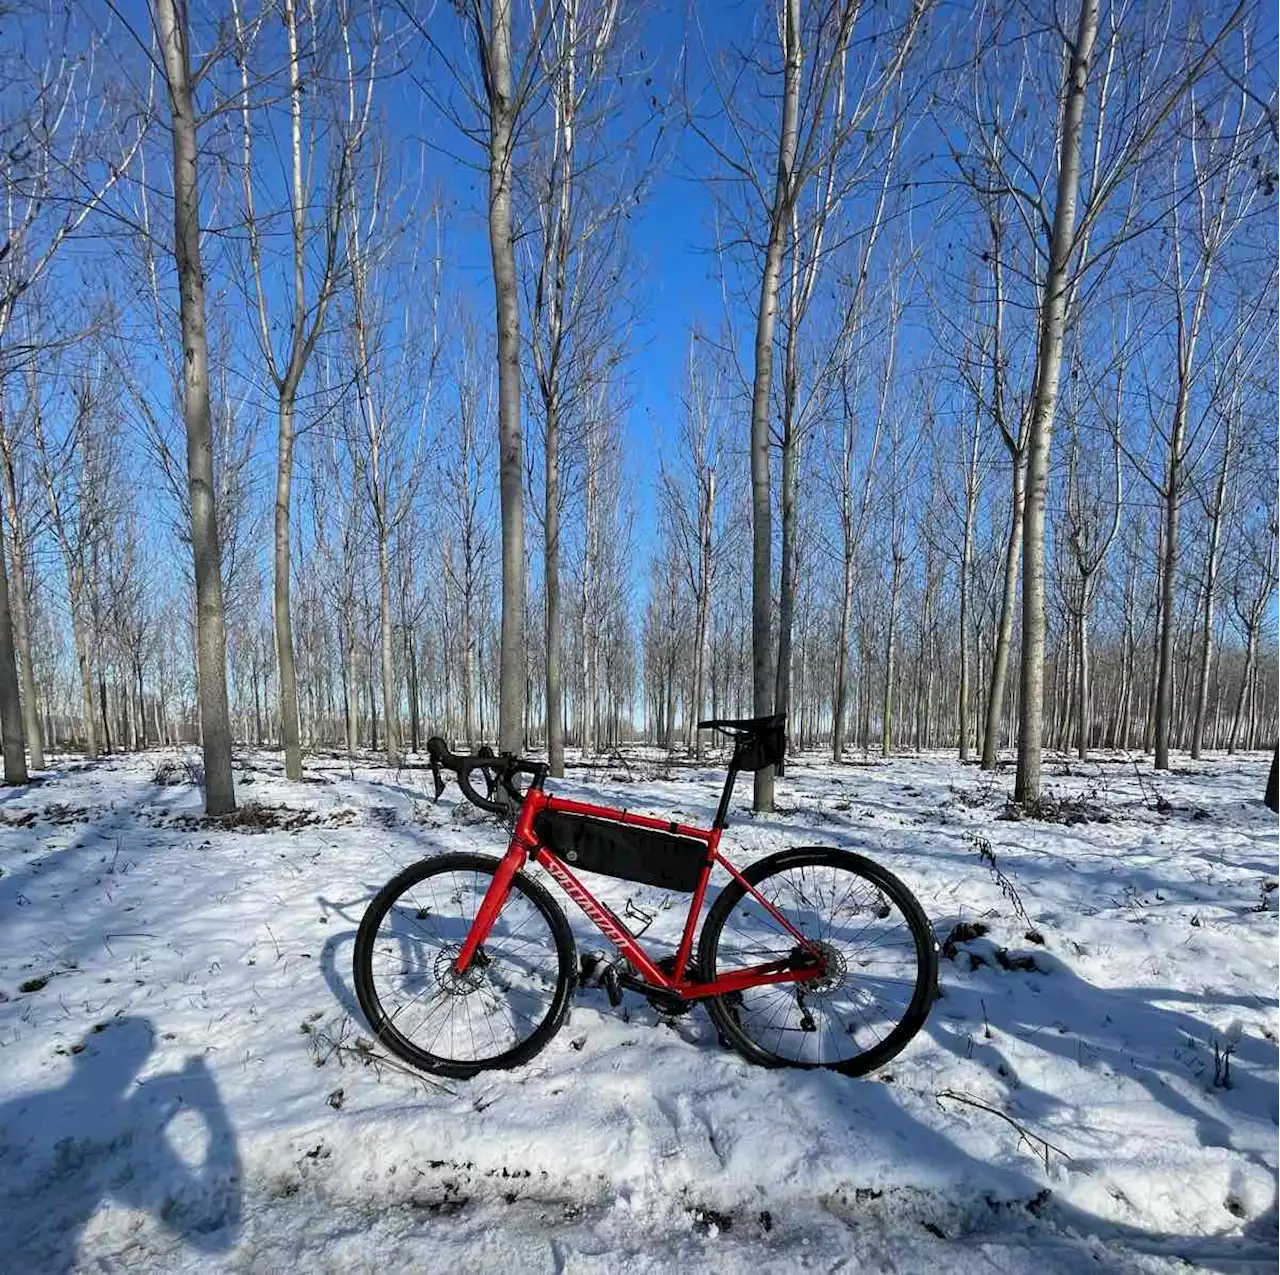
744, 725
757, 741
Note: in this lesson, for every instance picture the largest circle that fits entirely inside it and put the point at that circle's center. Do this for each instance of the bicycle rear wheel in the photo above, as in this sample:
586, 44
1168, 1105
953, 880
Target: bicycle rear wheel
512, 998
877, 945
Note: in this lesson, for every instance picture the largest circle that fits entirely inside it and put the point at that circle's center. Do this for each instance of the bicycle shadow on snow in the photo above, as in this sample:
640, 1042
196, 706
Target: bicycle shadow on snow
163, 1144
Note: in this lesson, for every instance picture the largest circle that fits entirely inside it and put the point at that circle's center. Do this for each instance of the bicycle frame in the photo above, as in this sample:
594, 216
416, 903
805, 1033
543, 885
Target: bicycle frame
525, 846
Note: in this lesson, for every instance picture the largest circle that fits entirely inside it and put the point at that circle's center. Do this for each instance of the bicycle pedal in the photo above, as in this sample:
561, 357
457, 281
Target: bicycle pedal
612, 987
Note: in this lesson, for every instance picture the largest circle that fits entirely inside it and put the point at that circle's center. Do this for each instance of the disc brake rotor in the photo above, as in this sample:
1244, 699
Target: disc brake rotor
453, 983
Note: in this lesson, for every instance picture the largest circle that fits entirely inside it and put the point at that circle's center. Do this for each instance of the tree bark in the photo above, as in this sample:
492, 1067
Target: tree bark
1188, 336
551, 573
762, 666
886, 721
102, 704
1237, 719
510, 450
21, 628
966, 571
1013, 548
1040, 436
1272, 795
1083, 671
842, 658
353, 692
587, 635
289, 731
787, 581
1210, 585
211, 659
706, 529
11, 712
390, 727
411, 669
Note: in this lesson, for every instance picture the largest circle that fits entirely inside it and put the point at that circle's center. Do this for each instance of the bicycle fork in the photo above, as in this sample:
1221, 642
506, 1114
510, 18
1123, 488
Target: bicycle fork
490, 906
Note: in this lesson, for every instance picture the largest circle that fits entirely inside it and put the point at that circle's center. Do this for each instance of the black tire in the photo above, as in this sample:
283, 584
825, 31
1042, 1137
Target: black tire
536, 968
740, 1018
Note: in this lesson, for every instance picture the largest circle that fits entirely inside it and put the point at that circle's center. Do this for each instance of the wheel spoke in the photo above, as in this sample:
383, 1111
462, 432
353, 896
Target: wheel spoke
873, 965
506, 996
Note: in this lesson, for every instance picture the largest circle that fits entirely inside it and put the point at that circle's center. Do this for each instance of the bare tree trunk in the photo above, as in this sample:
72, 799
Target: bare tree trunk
551, 577
102, 704
257, 698
1083, 701
787, 581
289, 732
886, 728
411, 668
75, 591
390, 728
1128, 654
966, 571
1040, 435
211, 660
510, 450
587, 636
1004, 628
21, 630
11, 712
762, 666
469, 667
1237, 719
353, 694
669, 742
706, 528
842, 659
142, 704
1210, 586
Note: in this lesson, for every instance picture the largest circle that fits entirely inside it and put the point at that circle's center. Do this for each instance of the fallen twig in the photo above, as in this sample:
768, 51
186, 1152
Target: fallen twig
325, 1045
1024, 1134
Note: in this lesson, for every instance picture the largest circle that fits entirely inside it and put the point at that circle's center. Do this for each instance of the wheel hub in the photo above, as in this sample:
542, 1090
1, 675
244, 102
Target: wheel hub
835, 969
451, 982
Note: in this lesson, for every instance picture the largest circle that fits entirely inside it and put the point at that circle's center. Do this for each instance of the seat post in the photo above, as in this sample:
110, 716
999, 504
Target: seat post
722, 812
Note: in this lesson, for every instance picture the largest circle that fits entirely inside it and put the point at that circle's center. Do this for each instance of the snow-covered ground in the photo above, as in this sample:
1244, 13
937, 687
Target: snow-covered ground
181, 1086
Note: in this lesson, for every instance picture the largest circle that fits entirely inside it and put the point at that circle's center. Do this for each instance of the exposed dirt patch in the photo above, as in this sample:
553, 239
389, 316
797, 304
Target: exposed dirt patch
56, 812
253, 817
962, 933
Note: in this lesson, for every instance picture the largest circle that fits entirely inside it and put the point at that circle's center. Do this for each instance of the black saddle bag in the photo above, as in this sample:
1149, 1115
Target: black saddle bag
766, 747
613, 849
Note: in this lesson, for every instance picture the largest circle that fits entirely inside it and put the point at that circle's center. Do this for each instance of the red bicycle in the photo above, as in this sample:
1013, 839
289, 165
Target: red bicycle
812, 957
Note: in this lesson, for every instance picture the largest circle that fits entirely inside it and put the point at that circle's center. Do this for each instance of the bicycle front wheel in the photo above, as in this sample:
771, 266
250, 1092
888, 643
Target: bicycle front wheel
879, 956
512, 998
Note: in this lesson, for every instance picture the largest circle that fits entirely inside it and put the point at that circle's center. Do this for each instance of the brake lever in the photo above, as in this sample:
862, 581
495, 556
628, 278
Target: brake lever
505, 777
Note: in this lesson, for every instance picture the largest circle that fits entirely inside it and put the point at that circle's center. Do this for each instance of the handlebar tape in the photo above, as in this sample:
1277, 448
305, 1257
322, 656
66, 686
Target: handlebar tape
462, 768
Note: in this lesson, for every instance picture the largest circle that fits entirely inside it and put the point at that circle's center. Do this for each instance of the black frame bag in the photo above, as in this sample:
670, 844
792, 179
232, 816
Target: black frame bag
646, 856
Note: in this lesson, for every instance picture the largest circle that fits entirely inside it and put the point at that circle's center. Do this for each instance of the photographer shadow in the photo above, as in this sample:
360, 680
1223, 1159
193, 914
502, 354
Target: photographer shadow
163, 1144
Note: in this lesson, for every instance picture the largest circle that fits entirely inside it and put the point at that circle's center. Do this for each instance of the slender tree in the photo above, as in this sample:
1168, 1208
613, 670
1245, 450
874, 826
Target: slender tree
211, 662
312, 51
